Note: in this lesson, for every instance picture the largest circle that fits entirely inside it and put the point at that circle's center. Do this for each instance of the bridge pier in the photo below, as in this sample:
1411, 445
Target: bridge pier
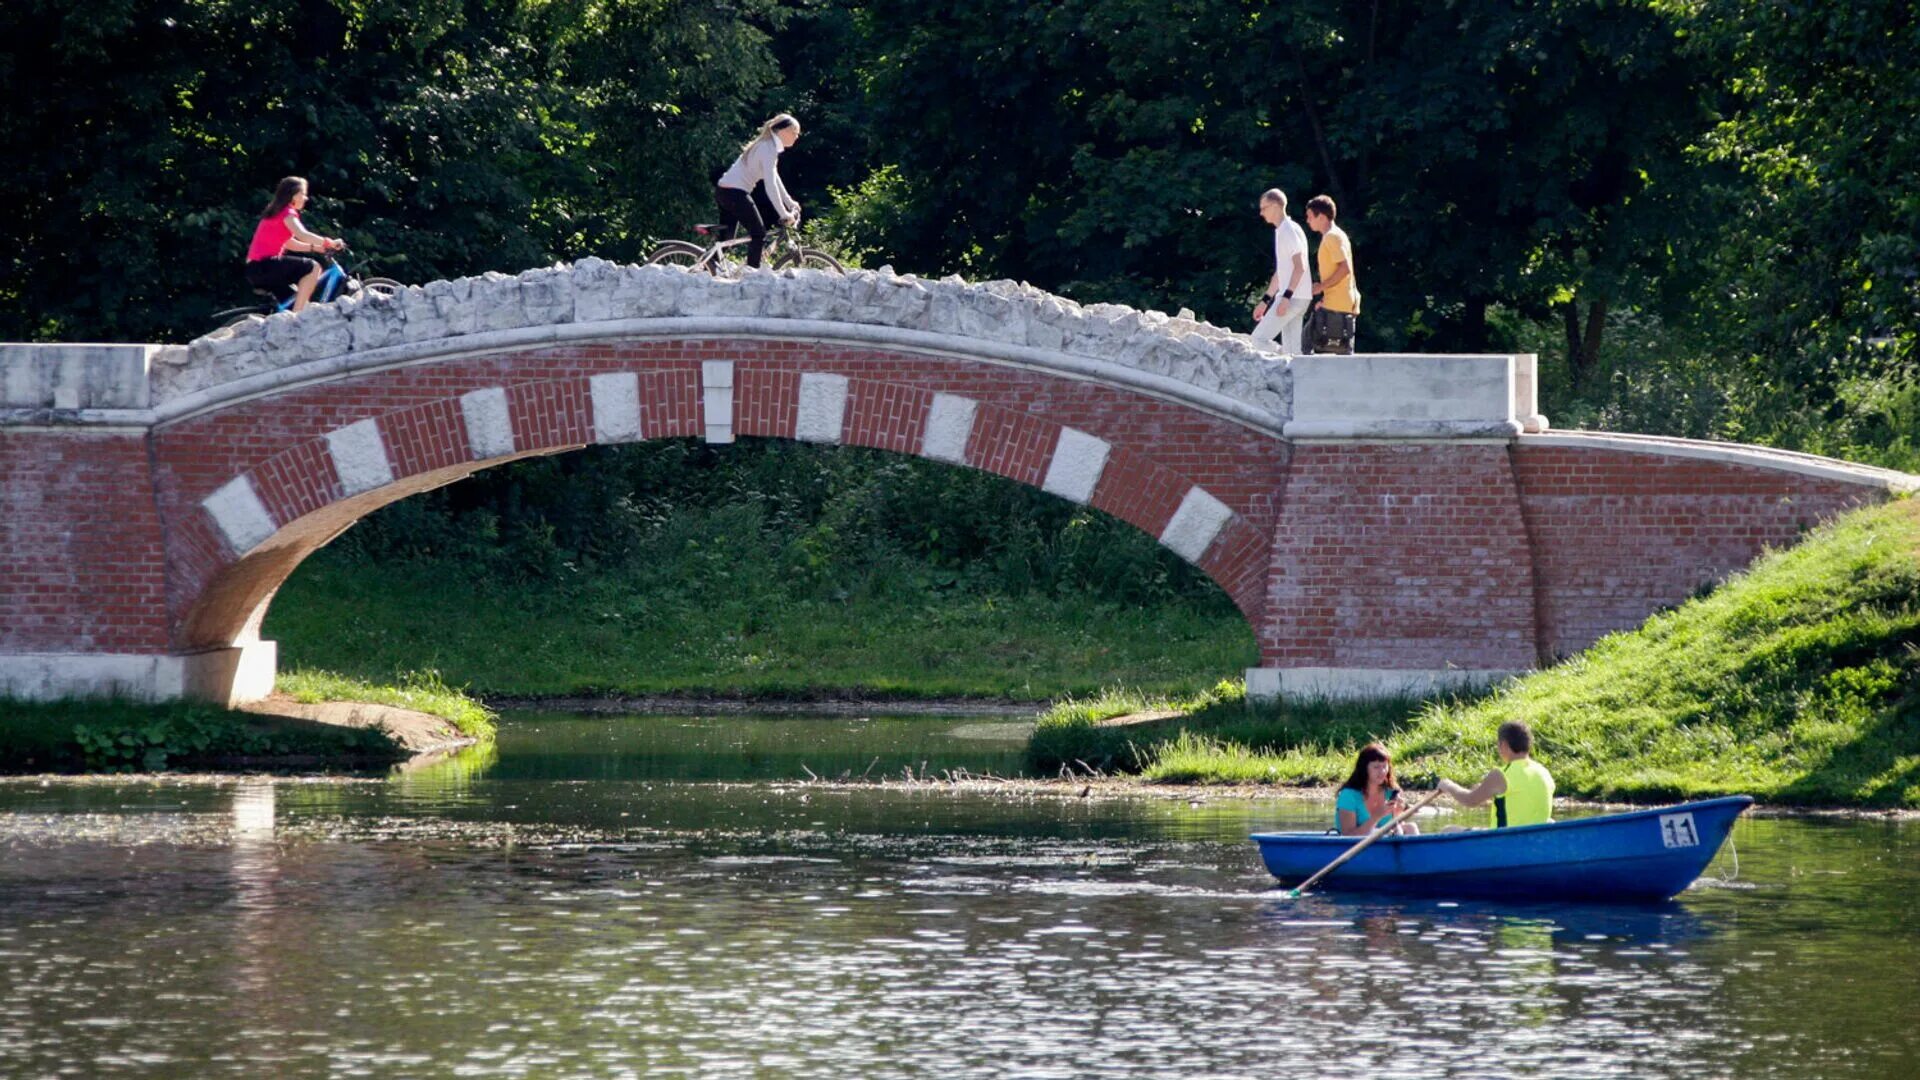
1389, 525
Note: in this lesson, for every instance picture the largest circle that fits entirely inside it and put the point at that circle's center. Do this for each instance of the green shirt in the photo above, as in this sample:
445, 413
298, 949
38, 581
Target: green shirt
1529, 795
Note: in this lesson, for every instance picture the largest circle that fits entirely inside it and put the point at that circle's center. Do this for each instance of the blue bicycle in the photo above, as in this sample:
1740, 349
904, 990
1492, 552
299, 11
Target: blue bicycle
335, 282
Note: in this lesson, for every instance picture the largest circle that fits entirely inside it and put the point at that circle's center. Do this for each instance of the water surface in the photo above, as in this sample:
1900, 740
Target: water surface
571, 908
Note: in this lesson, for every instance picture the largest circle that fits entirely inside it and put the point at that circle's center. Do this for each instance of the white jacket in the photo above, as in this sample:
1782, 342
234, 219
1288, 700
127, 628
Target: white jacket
759, 164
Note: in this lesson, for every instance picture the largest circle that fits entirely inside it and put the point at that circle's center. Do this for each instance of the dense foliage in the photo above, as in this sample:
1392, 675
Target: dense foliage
441, 138
1701, 214
826, 518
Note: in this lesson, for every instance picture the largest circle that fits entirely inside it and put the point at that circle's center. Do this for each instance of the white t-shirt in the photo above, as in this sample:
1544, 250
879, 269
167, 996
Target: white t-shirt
1290, 240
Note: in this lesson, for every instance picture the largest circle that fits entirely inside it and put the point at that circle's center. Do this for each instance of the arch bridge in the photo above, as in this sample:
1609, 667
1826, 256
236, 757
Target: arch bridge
1387, 524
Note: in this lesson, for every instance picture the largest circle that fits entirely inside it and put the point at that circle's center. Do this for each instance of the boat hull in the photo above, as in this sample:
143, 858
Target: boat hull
1642, 855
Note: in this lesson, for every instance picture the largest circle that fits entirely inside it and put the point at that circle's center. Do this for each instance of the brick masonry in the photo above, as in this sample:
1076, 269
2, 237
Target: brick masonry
1399, 555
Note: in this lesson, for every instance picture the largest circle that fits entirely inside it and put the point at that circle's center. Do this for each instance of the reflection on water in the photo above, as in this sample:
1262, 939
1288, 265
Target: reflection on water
537, 744
516, 917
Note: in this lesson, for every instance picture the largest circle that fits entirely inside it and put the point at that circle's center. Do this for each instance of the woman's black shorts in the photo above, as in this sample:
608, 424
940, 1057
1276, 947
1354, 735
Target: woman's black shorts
280, 274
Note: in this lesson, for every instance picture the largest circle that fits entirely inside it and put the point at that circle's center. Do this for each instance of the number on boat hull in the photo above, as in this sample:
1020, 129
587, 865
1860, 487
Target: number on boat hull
1676, 830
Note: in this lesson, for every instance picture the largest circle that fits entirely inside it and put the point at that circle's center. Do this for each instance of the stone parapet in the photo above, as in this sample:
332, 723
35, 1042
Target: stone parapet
65, 378
567, 303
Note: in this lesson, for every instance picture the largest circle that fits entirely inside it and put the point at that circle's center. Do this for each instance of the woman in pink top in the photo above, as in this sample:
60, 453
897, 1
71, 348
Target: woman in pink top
269, 267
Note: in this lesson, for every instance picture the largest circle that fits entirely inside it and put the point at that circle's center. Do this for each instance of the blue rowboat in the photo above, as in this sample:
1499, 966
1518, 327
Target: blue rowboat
1642, 855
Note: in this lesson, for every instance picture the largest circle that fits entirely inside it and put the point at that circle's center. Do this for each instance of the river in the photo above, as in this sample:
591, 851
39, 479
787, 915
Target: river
628, 896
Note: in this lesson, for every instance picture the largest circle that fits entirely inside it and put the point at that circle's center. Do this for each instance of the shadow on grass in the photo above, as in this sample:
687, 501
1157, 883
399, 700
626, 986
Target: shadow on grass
1879, 766
115, 735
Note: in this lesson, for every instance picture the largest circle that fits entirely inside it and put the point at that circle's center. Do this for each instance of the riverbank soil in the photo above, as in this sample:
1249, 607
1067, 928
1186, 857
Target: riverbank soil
412, 732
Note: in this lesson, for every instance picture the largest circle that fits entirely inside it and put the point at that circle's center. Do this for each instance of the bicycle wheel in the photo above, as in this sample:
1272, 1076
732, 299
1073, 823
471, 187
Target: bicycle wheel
808, 259
381, 286
678, 253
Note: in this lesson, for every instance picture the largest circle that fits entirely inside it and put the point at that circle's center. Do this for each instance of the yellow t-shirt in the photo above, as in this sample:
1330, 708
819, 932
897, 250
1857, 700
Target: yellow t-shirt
1334, 250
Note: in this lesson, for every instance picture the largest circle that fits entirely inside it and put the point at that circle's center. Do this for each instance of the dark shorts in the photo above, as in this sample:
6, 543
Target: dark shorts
280, 274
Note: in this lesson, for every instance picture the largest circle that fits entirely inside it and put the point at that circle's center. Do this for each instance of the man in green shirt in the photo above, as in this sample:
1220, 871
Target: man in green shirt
1520, 789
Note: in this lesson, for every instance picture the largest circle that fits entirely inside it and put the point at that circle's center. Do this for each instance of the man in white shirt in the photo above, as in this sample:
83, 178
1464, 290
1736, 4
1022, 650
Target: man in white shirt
1284, 308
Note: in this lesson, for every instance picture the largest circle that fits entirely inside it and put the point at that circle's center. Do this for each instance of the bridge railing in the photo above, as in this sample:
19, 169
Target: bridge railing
1372, 396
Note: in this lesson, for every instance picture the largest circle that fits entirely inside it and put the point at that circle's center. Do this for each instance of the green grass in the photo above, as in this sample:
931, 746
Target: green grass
1796, 682
115, 735
421, 691
126, 736
1219, 718
722, 628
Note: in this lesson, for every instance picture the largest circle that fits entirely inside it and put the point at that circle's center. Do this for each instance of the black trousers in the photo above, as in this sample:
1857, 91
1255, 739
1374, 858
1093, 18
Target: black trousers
736, 209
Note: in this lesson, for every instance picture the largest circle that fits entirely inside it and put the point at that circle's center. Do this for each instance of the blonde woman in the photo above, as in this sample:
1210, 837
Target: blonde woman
758, 166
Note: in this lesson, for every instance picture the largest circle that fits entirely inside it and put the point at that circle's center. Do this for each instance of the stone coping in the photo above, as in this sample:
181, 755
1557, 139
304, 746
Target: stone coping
952, 314
1764, 457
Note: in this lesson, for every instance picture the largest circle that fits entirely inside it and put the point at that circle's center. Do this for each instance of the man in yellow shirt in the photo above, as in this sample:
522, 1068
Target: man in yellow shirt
1333, 323
1520, 788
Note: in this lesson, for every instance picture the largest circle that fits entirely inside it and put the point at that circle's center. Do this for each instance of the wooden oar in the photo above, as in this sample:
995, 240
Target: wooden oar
1392, 820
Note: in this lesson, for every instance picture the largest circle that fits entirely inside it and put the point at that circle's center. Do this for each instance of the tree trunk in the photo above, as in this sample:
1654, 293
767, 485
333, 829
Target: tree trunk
1319, 134
1583, 347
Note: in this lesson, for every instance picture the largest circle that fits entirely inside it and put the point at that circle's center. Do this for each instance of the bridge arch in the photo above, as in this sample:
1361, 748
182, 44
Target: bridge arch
417, 427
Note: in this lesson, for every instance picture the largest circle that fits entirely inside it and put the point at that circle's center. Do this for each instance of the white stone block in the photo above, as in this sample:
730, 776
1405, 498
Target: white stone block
616, 407
1199, 519
949, 426
1402, 396
1354, 684
823, 408
716, 393
240, 515
1263, 684
1077, 463
58, 676
360, 457
489, 427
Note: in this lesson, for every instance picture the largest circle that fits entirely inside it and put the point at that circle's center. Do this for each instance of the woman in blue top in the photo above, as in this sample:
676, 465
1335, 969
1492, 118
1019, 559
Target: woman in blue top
1369, 795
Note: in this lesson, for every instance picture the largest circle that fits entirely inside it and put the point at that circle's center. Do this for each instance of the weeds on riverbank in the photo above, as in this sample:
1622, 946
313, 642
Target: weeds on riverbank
1796, 682
115, 735
1212, 737
129, 736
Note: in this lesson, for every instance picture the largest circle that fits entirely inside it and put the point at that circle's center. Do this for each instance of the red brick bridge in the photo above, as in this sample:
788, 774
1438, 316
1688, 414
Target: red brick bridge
1387, 524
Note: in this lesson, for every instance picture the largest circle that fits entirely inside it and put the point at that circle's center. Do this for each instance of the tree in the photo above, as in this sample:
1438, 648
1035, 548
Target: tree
1810, 281
442, 138
1480, 151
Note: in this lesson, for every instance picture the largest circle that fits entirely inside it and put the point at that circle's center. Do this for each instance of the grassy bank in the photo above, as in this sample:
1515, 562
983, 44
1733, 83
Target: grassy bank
1795, 682
128, 736
421, 691
759, 568
725, 626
